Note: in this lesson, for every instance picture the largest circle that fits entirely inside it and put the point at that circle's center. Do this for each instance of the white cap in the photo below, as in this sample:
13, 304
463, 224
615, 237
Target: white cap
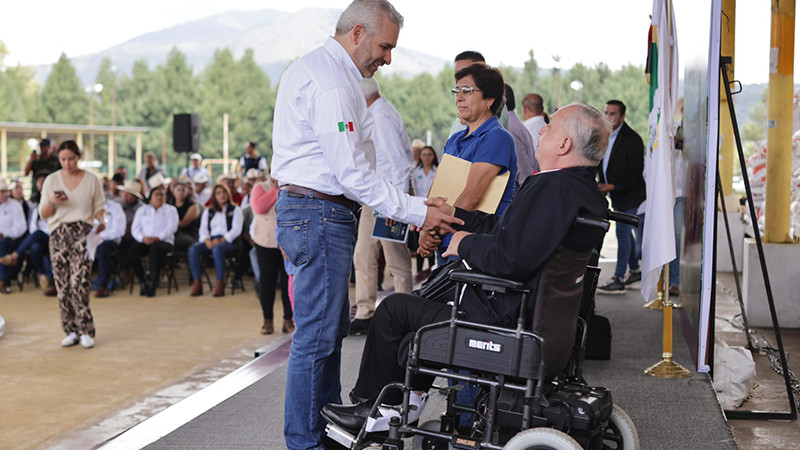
196, 156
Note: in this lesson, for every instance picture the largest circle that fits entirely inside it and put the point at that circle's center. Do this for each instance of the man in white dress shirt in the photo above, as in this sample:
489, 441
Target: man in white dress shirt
12, 227
194, 167
321, 138
533, 116
393, 160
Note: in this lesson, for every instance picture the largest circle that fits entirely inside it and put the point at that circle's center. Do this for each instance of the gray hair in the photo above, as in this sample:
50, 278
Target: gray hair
368, 13
589, 131
370, 88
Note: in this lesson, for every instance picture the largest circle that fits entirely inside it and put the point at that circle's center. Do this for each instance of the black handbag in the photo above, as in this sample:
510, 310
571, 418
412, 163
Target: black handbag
438, 287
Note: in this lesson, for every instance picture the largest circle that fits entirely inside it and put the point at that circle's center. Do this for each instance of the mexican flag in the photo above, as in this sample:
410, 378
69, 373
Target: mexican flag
658, 245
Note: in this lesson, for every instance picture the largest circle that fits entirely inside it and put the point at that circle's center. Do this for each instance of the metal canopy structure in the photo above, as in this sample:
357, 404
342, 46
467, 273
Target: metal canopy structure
59, 132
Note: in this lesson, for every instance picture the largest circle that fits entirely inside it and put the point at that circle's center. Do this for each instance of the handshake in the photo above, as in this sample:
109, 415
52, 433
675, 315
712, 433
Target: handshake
438, 222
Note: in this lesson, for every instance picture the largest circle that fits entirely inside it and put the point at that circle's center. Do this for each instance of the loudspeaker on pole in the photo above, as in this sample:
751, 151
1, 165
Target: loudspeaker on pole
186, 133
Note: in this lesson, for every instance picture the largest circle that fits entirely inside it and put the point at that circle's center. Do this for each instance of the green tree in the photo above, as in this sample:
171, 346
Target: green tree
241, 90
63, 99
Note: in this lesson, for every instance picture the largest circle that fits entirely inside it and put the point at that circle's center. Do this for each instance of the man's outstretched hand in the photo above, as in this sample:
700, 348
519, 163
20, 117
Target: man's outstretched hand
440, 216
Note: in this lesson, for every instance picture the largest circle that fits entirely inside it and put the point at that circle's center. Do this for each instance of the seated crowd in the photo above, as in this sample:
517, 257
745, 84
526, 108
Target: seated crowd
151, 223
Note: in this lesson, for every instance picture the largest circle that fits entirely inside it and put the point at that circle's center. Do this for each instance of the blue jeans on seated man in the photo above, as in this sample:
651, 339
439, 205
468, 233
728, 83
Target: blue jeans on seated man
7, 246
103, 258
319, 237
38, 246
218, 253
628, 252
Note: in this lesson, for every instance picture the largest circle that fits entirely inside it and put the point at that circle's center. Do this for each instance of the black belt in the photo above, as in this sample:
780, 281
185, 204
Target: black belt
340, 199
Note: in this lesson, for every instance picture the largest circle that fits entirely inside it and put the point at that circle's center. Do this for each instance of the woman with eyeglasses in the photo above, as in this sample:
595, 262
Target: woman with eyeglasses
153, 227
479, 96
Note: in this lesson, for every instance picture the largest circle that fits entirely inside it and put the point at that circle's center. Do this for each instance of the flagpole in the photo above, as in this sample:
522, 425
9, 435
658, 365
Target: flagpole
666, 368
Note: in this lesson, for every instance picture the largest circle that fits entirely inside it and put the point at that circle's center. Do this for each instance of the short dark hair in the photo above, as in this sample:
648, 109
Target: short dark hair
510, 101
618, 103
252, 144
489, 80
471, 55
45, 143
118, 178
71, 146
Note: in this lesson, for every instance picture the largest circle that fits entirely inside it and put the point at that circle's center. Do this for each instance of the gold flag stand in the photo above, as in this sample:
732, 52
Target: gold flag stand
667, 368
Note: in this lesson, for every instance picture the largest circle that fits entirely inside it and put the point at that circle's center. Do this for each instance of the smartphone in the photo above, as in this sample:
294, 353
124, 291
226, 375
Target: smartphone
61, 194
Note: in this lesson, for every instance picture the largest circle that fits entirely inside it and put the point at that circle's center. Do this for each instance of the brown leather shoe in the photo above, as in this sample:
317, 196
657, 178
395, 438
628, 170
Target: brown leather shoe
4, 289
9, 259
219, 289
288, 326
197, 288
102, 291
268, 327
51, 291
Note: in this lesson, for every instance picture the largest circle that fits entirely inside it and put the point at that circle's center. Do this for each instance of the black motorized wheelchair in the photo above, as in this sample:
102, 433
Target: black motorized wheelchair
520, 404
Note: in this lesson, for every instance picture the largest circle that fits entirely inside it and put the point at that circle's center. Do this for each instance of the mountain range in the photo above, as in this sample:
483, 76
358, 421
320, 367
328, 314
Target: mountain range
276, 37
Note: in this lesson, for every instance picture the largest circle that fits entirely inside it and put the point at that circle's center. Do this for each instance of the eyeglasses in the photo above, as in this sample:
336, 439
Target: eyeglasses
466, 90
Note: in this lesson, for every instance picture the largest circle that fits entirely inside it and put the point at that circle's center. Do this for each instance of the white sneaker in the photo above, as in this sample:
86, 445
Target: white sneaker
87, 341
416, 402
70, 340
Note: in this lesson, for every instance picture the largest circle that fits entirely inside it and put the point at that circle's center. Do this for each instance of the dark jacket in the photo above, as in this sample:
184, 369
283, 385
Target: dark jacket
625, 168
538, 224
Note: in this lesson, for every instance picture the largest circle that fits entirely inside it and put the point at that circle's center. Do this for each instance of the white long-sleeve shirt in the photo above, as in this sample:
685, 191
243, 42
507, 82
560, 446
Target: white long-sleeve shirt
219, 225
393, 156
115, 222
150, 222
321, 135
12, 219
36, 223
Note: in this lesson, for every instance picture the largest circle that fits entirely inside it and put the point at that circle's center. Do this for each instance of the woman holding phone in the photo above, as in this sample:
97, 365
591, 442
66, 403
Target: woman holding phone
72, 202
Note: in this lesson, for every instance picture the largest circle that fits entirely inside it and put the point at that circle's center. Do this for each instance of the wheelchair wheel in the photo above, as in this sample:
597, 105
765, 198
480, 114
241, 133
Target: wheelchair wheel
621, 433
542, 438
428, 443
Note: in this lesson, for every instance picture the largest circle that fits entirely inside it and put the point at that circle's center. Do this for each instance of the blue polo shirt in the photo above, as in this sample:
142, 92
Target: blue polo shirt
492, 144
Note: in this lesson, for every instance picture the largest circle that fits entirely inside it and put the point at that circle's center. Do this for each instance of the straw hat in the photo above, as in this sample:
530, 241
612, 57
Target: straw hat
158, 180
201, 177
251, 174
132, 187
226, 176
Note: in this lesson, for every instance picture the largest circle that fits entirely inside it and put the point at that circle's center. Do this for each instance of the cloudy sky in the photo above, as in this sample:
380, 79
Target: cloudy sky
587, 31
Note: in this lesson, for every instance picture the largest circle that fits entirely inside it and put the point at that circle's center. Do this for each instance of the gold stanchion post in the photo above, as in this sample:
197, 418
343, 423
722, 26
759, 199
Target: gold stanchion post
667, 368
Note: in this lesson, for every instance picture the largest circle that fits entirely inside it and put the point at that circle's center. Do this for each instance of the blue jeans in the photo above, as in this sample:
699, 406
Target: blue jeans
628, 251
319, 237
6, 247
38, 245
218, 253
103, 258
675, 264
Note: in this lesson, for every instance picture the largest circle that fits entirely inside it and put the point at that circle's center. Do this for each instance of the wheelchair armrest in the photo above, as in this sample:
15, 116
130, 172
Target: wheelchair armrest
625, 218
471, 277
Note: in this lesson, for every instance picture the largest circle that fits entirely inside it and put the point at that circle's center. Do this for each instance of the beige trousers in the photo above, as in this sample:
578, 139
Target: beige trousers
365, 260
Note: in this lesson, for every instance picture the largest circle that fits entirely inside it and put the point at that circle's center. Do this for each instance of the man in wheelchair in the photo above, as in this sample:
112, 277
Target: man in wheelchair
538, 230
